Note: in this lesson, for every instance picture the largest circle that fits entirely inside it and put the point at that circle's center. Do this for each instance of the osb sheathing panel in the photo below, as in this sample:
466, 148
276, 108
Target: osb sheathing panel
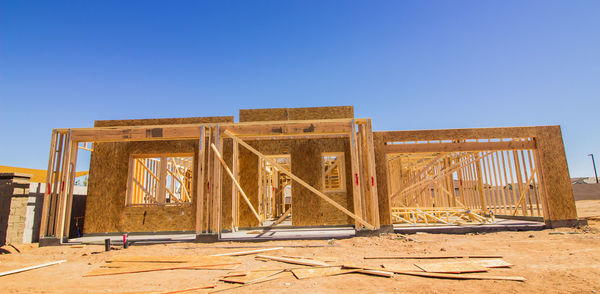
551, 150
305, 113
105, 204
309, 209
107, 189
249, 175
163, 121
560, 202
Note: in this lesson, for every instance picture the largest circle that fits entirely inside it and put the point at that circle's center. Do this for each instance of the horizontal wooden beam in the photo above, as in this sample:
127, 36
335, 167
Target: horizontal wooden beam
459, 134
297, 128
456, 147
113, 134
254, 130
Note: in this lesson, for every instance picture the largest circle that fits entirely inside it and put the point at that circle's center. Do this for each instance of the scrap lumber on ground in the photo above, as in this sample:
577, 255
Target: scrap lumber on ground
433, 257
240, 253
461, 276
302, 261
317, 272
251, 276
137, 264
451, 267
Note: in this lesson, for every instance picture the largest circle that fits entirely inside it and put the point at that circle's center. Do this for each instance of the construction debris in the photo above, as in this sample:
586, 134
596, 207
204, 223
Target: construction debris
247, 252
251, 277
30, 268
433, 257
137, 264
458, 276
303, 261
317, 272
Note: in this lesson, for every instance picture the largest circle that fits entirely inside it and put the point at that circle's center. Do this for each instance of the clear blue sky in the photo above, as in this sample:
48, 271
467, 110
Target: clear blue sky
406, 64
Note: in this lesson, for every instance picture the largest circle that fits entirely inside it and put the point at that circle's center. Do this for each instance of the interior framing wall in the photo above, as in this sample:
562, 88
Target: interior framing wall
558, 194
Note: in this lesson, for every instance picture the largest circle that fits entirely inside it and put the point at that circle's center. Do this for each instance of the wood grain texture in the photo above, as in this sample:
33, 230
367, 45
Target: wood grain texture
105, 203
558, 202
305, 113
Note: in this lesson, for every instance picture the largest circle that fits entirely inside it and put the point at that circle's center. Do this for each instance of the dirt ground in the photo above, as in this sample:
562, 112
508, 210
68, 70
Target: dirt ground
552, 263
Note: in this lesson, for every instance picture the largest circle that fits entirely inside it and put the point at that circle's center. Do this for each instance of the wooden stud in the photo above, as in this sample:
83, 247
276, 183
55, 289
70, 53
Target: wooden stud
48, 192
356, 189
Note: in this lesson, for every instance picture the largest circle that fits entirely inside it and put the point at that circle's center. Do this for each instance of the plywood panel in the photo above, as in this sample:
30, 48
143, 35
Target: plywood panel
105, 203
309, 209
163, 121
305, 113
555, 172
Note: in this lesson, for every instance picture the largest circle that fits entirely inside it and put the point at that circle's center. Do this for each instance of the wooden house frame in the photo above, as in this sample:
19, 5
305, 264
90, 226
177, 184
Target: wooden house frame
220, 147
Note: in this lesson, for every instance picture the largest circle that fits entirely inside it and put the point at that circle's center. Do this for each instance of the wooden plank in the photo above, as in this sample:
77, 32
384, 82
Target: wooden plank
458, 147
519, 179
192, 131
240, 253
432, 257
356, 188
209, 182
251, 277
523, 192
30, 268
62, 199
205, 260
317, 272
228, 287
536, 194
52, 217
162, 184
525, 168
459, 134
302, 261
372, 178
235, 198
200, 182
236, 183
369, 270
207, 286
480, 188
294, 177
455, 276
47, 193
492, 263
69, 201
135, 267
219, 187
455, 267
130, 187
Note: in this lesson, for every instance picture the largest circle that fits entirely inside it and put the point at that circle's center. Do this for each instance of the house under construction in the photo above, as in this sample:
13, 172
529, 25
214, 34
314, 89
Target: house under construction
305, 167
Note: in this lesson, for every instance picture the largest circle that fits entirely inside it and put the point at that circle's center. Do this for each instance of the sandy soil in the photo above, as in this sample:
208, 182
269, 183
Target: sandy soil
552, 263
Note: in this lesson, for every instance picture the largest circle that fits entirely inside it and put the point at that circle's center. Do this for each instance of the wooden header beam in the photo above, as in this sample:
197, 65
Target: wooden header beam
458, 147
256, 130
458, 134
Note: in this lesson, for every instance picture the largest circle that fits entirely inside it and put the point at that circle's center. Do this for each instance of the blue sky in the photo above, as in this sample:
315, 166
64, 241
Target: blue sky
406, 64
